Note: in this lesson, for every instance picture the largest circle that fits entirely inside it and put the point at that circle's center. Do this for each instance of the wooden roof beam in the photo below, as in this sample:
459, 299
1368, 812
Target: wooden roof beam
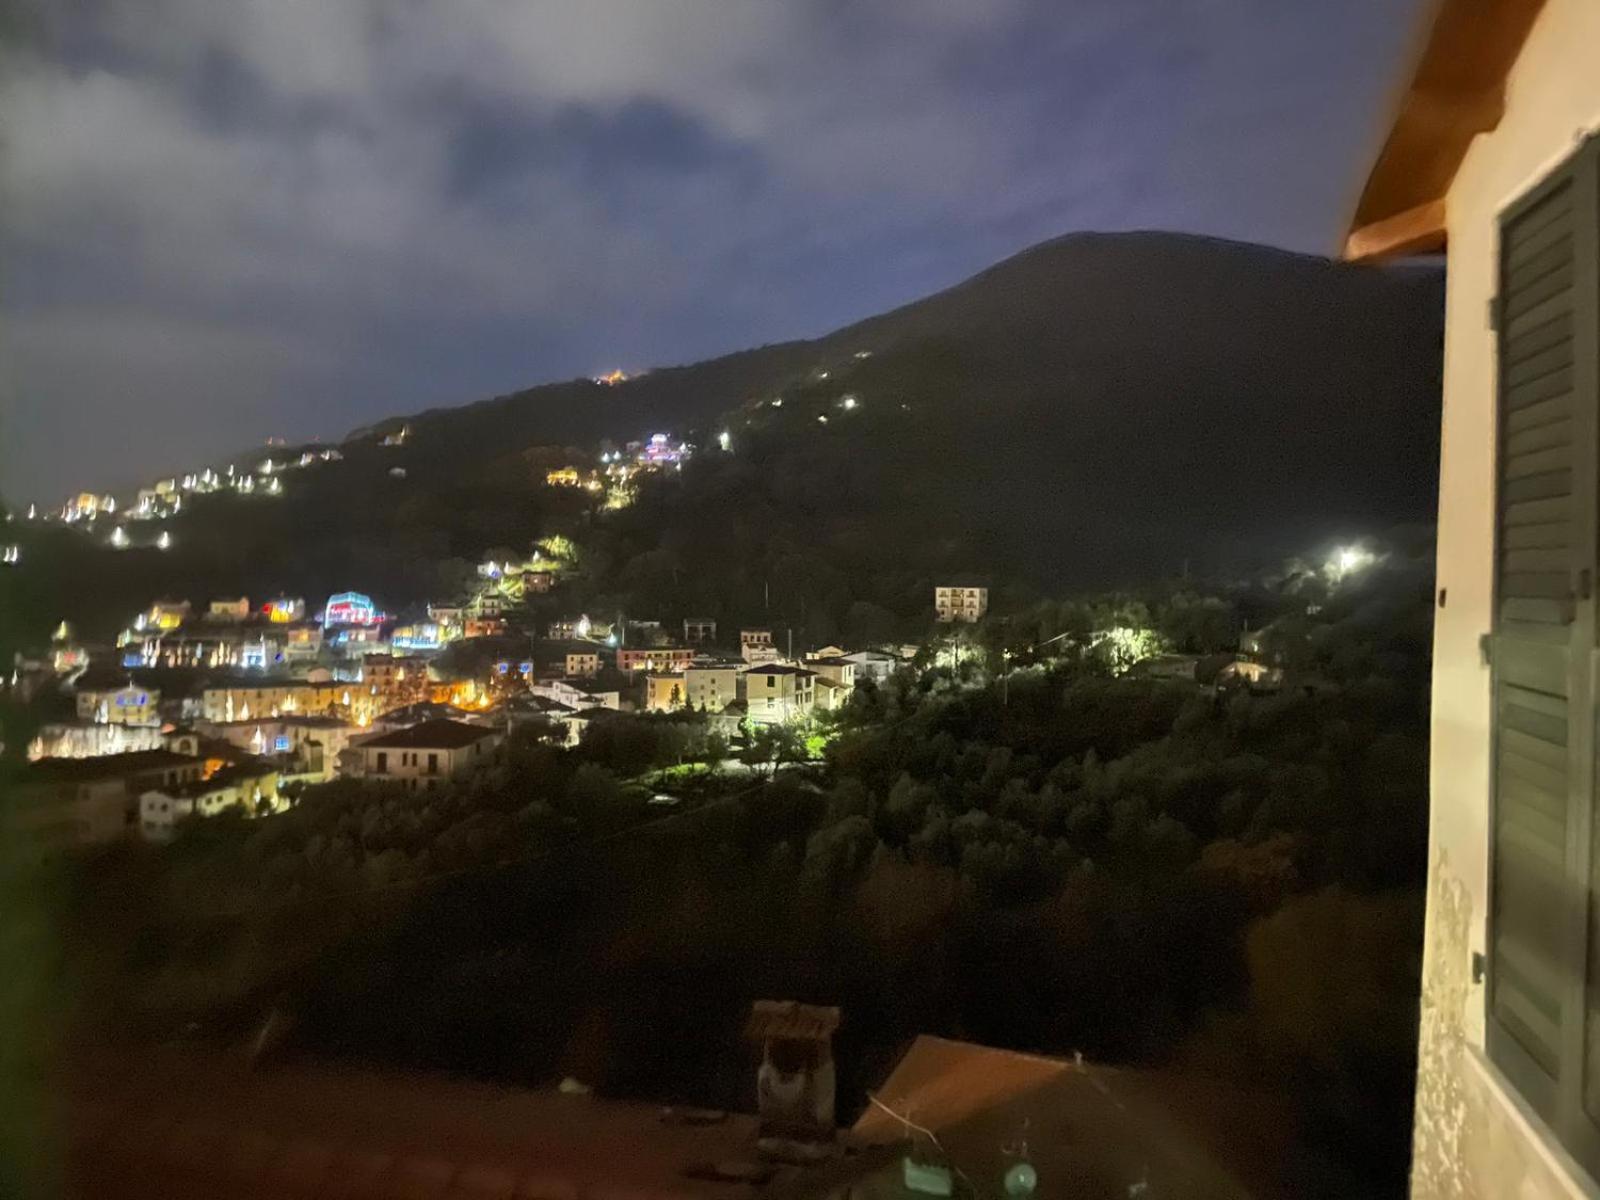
1419, 230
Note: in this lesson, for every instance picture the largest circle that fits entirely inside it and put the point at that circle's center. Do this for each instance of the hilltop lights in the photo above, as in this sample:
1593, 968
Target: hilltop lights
725, 440
119, 538
164, 542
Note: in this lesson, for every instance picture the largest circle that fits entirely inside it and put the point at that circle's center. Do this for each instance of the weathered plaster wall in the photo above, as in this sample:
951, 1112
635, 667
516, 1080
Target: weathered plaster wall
1471, 1138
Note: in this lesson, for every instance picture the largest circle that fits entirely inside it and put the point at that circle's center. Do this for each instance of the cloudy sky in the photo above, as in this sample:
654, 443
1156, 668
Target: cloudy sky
222, 220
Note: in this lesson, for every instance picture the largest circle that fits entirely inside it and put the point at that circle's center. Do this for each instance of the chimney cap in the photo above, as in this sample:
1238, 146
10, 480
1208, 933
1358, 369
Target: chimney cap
790, 1019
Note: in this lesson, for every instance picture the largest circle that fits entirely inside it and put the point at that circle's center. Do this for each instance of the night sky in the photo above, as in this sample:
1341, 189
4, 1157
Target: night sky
224, 220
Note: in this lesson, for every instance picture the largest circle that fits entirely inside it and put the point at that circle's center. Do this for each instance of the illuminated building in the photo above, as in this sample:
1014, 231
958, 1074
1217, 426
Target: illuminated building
119, 538
422, 756
11, 556
711, 686
303, 642
168, 614
259, 700
92, 740
249, 788
612, 378
562, 477
660, 451
284, 611
960, 603
699, 629
129, 705
350, 608
422, 636
775, 692
479, 627
654, 658
578, 693
229, 610
582, 664
665, 691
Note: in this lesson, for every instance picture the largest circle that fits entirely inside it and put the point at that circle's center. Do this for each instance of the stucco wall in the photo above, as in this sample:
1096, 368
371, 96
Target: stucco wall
1472, 1139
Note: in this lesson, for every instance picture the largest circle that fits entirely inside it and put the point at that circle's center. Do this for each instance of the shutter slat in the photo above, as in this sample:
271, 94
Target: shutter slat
1536, 612
1557, 309
1557, 385
1541, 775
1537, 462
1514, 789
1538, 487
1553, 434
1545, 412
1539, 227
1536, 537
1535, 512
1535, 750
1531, 561
1532, 361
1529, 271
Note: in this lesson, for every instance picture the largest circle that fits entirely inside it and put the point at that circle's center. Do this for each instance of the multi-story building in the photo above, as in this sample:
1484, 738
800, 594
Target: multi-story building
422, 756
654, 658
578, 693
665, 691
62, 802
91, 739
711, 686
302, 642
699, 630
257, 699
236, 609
1493, 157
876, 665
960, 603
131, 704
777, 692
249, 787
582, 663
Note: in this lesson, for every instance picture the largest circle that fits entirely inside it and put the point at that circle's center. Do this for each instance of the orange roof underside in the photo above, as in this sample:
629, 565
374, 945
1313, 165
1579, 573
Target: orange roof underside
1457, 92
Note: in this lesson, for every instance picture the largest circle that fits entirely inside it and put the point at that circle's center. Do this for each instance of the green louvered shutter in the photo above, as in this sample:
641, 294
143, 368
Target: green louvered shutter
1548, 319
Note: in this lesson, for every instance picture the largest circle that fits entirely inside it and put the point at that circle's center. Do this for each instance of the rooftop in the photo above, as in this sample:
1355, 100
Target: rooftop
105, 766
230, 776
438, 734
1090, 1130
180, 1124
779, 669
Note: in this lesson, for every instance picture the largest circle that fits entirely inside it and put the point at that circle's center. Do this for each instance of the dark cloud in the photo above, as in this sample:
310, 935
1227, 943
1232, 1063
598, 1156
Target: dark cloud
227, 219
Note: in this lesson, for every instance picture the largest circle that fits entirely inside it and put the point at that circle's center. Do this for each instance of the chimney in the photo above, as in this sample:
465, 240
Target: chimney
795, 1082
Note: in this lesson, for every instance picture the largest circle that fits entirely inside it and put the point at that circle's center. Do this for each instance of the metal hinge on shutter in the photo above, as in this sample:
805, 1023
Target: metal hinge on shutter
1486, 649
1497, 306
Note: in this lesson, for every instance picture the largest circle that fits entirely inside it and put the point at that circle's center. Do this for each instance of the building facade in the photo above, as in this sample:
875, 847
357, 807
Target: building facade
1493, 154
776, 693
129, 705
424, 756
960, 603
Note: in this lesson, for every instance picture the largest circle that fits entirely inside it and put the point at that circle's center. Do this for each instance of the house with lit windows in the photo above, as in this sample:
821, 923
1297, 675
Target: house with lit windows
248, 788
966, 604
424, 756
132, 704
1492, 158
777, 692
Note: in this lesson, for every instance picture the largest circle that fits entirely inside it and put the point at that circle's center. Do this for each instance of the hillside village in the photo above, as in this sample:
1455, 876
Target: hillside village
244, 706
